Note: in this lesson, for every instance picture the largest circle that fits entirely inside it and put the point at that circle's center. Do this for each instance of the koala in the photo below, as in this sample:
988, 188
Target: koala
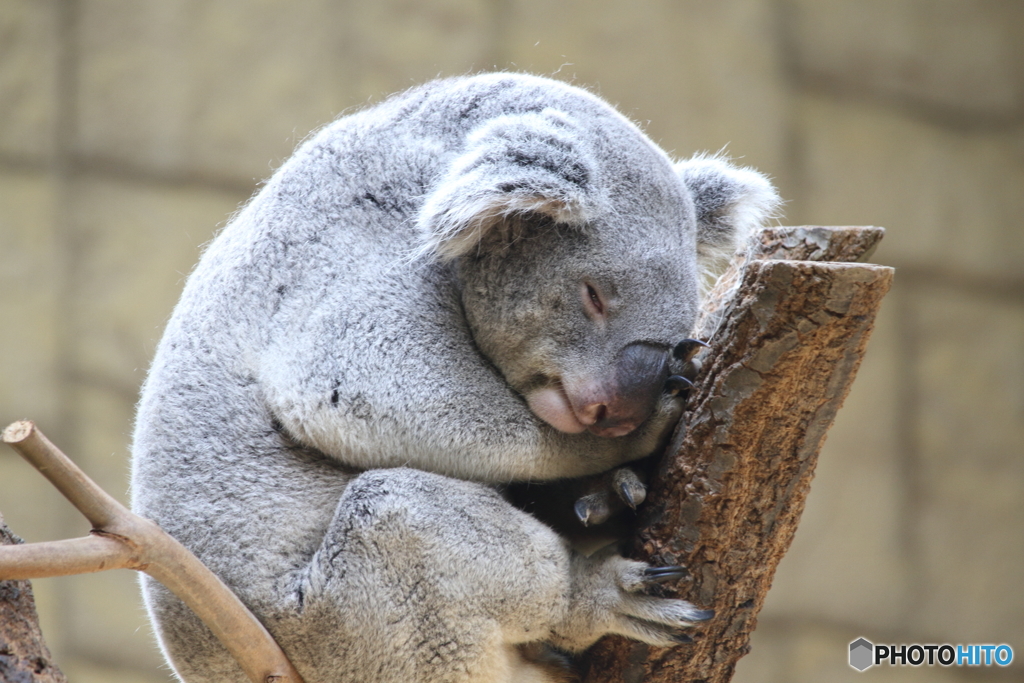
476, 282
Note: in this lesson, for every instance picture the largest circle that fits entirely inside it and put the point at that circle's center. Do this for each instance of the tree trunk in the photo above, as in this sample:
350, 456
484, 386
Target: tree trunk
24, 657
787, 337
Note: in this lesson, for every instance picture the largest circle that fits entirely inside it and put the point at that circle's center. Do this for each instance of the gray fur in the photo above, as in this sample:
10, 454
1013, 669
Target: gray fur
343, 382
730, 203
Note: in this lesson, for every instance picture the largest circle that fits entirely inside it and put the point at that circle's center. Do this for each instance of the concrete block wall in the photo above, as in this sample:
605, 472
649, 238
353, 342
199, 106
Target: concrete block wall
131, 129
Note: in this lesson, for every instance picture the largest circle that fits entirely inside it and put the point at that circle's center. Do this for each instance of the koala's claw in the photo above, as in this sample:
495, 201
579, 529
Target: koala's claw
627, 496
702, 615
677, 384
662, 574
629, 486
593, 509
688, 348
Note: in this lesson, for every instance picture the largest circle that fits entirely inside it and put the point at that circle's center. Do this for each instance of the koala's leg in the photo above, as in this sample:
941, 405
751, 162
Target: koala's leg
425, 578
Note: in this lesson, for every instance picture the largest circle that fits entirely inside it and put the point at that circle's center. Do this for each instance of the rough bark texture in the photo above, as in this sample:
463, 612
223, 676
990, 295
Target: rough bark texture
24, 657
817, 243
787, 338
803, 243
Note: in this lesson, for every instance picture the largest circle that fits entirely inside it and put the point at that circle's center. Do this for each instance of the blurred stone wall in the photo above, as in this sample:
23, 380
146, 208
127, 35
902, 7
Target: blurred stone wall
131, 129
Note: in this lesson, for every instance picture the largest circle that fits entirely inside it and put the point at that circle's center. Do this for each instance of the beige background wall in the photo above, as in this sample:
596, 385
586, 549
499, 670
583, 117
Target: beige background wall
130, 129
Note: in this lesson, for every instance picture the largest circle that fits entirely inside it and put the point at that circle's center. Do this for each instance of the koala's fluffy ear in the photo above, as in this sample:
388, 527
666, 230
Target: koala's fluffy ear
730, 203
535, 163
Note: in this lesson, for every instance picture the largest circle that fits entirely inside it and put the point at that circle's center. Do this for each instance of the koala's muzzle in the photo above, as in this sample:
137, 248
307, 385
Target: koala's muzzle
621, 406
611, 405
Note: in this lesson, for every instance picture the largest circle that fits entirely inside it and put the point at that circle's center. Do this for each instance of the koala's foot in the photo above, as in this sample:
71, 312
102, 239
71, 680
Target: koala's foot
608, 597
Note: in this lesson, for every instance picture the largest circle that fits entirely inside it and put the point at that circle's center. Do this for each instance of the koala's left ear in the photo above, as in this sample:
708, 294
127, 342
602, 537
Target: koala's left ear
533, 163
730, 202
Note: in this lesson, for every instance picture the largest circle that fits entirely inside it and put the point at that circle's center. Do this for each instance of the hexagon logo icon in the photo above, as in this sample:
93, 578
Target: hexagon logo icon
861, 654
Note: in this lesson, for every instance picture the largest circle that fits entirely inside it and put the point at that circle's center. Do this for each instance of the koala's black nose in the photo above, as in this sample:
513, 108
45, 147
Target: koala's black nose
626, 399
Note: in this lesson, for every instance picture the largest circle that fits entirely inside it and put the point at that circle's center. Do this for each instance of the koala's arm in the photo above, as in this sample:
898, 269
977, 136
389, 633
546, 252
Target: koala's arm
438, 407
379, 359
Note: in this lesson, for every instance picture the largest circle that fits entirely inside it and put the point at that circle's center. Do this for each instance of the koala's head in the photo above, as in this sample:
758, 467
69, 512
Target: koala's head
579, 252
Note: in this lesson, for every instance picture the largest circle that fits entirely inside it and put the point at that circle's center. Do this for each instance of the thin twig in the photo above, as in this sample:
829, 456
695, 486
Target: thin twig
120, 539
93, 553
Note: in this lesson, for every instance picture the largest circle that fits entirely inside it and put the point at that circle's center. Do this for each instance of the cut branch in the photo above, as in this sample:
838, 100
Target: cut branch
787, 338
803, 243
121, 539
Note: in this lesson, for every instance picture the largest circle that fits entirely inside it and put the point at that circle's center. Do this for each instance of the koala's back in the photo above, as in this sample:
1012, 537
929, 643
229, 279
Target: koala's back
314, 283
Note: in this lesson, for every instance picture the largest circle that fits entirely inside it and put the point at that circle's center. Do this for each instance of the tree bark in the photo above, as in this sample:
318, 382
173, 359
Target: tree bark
787, 337
24, 657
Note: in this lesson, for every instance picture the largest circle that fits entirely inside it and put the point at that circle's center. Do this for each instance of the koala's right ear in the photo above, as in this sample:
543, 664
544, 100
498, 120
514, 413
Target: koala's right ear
534, 163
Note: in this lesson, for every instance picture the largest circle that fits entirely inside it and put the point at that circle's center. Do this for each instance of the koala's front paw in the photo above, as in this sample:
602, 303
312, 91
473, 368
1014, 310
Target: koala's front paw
623, 487
609, 597
685, 353
610, 493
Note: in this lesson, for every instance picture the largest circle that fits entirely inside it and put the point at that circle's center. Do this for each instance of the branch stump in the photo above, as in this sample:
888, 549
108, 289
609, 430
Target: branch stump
787, 337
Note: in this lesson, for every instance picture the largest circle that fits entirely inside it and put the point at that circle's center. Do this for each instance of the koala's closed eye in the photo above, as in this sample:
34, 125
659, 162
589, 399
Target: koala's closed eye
593, 304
